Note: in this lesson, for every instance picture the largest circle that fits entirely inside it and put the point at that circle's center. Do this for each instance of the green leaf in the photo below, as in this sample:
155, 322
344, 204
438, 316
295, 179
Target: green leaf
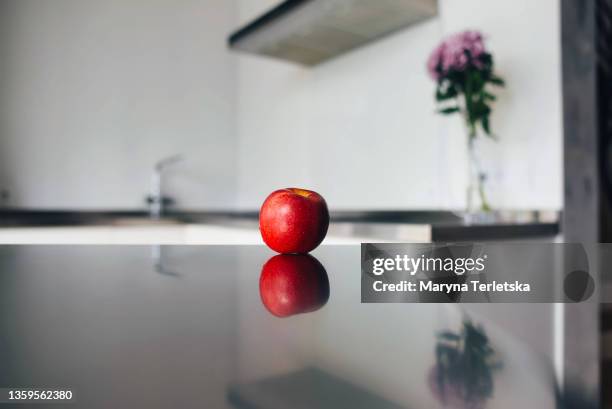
487, 59
497, 81
489, 96
481, 109
440, 97
485, 124
450, 110
478, 82
444, 93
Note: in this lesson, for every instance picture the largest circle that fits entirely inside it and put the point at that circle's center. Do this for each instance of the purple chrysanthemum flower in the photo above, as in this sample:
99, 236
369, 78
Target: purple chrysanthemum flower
456, 52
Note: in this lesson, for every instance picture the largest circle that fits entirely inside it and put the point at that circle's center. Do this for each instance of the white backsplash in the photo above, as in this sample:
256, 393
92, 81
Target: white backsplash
362, 128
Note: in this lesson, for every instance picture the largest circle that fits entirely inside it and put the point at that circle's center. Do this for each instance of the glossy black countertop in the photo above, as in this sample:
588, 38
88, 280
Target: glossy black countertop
186, 327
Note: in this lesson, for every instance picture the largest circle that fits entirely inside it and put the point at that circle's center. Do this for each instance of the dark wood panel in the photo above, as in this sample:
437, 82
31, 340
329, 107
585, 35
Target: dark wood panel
582, 214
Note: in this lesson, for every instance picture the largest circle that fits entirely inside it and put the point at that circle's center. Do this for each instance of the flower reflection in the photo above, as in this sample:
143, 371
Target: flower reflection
293, 284
462, 377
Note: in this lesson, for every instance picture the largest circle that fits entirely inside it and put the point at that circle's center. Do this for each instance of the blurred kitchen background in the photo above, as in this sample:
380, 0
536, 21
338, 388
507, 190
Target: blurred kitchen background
94, 93
111, 111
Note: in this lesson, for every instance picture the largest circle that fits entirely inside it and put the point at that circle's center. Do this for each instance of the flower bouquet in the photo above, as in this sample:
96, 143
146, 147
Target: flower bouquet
463, 69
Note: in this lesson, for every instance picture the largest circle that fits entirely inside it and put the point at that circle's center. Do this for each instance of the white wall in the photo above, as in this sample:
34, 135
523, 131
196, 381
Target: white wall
93, 92
361, 129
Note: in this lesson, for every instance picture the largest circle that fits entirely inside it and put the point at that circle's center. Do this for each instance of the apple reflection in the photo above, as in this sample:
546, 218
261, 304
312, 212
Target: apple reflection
293, 284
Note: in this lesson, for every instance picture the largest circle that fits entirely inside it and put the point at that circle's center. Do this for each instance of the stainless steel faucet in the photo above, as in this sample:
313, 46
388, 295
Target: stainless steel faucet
156, 200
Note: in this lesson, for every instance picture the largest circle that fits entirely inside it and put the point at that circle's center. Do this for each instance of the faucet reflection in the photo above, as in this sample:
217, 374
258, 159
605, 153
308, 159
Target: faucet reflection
293, 284
159, 265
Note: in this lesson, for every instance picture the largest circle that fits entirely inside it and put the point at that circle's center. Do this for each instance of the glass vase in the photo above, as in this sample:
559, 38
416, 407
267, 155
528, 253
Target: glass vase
477, 202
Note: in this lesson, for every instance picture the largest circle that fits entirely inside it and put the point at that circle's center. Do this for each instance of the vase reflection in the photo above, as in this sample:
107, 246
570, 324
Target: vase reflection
463, 376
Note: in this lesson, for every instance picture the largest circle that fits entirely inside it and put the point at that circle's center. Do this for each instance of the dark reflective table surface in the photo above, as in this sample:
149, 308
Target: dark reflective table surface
205, 327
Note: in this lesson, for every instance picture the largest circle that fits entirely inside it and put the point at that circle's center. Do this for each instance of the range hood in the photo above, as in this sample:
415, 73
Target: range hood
309, 32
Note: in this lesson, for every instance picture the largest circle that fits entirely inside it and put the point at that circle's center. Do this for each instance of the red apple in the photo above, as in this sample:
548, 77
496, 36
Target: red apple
293, 284
293, 220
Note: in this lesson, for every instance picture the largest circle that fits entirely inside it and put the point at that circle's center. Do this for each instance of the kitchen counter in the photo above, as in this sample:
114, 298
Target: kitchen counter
184, 326
347, 227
